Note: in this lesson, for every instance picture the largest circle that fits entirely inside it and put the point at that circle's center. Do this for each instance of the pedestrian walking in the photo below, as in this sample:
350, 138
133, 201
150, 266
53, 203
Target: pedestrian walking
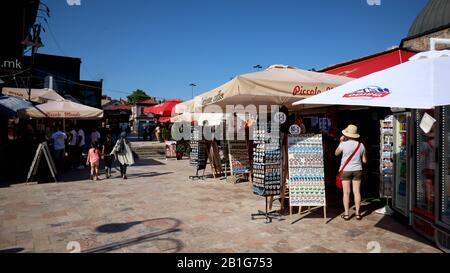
122, 152
108, 147
353, 156
93, 159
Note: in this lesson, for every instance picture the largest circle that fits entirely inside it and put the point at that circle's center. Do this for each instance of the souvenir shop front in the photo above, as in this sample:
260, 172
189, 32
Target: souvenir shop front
415, 147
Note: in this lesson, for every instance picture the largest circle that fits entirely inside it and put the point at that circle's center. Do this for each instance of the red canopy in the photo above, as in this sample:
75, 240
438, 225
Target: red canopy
164, 109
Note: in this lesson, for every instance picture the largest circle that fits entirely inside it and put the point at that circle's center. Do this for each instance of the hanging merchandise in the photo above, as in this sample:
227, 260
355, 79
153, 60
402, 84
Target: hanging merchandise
387, 156
266, 161
306, 170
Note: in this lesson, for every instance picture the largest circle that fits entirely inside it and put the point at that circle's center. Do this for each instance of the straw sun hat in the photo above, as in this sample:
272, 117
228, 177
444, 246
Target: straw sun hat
351, 131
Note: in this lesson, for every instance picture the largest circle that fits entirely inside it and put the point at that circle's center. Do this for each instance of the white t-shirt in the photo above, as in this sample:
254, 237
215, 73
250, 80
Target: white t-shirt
81, 134
95, 136
348, 147
73, 141
58, 140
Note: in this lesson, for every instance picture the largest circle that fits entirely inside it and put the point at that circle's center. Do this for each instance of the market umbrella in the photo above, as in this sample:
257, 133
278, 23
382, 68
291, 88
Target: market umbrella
278, 85
62, 109
421, 83
10, 105
164, 109
37, 95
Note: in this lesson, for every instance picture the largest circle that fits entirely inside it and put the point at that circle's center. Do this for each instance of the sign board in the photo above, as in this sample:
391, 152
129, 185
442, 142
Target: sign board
41, 151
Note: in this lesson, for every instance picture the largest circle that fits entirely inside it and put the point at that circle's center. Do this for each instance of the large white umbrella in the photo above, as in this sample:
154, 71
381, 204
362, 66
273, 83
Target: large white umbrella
62, 109
37, 95
277, 85
421, 83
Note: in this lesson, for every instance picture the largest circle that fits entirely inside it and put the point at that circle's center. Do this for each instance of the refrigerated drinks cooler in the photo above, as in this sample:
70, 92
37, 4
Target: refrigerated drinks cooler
396, 161
432, 177
443, 188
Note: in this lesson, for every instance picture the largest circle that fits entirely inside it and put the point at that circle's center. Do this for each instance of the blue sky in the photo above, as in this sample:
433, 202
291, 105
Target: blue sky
162, 46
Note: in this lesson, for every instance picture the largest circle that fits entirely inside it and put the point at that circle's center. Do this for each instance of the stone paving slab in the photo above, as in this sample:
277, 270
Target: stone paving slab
158, 209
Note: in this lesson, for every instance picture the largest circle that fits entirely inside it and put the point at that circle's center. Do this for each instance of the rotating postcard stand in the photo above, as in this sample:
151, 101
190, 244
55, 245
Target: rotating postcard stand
266, 169
239, 161
199, 156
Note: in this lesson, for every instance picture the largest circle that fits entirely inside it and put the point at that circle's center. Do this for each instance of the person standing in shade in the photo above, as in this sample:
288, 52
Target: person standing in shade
299, 122
81, 142
72, 147
95, 136
353, 156
122, 152
108, 147
59, 146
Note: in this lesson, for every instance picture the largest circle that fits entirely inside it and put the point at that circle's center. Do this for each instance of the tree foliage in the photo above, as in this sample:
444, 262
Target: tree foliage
137, 96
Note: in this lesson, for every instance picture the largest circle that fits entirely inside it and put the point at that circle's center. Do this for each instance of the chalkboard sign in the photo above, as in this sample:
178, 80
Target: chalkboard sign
42, 150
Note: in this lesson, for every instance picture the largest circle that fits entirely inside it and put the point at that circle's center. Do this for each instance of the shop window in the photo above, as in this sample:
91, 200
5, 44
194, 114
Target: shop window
426, 166
445, 188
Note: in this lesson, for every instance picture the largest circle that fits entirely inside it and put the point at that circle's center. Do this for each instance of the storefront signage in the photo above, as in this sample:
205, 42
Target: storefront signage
371, 92
64, 114
213, 99
299, 90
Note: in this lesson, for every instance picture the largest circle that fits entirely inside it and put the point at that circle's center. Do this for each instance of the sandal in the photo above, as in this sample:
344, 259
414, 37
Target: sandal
358, 217
345, 217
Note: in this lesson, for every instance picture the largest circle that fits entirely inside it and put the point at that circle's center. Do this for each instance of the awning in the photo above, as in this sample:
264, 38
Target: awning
421, 83
277, 85
10, 105
63, 109
370, 64
37, 95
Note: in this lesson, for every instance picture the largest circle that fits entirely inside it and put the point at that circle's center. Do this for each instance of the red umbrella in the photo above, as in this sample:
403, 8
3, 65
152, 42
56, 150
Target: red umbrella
164, 120
164, 109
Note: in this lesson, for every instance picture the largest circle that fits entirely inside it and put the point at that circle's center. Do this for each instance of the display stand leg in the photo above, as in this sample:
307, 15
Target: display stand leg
325, 214
290, 213
268, 215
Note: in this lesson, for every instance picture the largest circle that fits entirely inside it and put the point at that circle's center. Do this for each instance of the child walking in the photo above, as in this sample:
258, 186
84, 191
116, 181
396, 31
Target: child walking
93, 159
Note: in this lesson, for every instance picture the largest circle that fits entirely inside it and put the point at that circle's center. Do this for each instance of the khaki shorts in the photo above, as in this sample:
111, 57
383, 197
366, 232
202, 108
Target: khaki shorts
355, 175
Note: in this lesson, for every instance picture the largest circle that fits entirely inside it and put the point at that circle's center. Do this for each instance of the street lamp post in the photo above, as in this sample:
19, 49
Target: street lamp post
192, 85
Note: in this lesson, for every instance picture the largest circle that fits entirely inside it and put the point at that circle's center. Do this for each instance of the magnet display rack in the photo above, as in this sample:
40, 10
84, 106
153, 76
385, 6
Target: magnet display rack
306, 173
199, 155
266, 167
387, 156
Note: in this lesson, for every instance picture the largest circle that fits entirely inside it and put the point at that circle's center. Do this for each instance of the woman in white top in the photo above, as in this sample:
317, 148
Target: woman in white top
353, 171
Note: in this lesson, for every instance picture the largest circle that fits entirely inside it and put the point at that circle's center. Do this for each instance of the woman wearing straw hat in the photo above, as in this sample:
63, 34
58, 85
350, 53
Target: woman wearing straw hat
353, 155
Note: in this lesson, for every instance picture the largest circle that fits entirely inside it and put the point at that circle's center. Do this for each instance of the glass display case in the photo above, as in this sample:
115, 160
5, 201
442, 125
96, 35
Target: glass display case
444, 187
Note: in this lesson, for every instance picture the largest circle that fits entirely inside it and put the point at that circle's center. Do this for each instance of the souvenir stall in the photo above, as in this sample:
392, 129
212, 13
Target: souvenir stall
423, 84
278, 86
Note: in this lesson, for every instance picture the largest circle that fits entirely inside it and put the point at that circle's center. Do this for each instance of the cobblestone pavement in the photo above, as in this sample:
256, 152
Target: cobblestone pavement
158, 209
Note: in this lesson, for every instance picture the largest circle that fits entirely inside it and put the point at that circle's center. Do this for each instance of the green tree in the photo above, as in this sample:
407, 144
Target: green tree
137, 96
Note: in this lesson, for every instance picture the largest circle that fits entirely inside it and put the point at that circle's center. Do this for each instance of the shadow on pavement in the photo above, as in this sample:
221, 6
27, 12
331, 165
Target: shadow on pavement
12, 250
152, 236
